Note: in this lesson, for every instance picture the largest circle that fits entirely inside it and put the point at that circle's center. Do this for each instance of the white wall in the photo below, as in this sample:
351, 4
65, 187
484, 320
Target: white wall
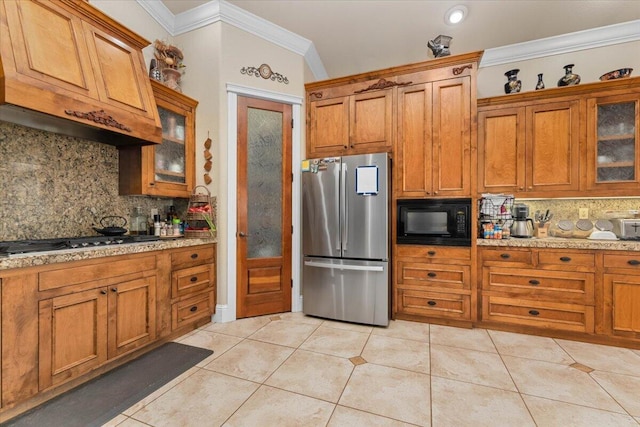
589, 64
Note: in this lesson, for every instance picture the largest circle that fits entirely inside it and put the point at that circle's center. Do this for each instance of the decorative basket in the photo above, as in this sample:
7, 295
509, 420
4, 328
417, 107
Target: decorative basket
201, 207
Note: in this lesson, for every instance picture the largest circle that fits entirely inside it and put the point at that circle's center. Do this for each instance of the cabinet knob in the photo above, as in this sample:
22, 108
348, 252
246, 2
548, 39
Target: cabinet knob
194, 279
114, 289
431, 274
345, 147
505, 256
194, 256
432, 253
193, 309
431, 303
565, 258
530, 188
534, 312
521, 188
152, 183
633, 262
103, 292
534, 282
435, 192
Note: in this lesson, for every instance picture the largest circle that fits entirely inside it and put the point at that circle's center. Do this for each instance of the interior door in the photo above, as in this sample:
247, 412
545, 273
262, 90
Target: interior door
264, 208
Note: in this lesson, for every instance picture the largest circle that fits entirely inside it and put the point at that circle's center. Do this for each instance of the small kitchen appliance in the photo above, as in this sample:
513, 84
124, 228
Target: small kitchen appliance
522, 225
626, 228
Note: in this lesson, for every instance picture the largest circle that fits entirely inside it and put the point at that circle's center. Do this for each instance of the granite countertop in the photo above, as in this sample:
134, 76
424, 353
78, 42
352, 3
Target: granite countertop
66, 255
562, 243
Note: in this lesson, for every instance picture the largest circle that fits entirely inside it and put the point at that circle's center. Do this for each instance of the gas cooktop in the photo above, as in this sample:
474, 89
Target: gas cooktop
28, 246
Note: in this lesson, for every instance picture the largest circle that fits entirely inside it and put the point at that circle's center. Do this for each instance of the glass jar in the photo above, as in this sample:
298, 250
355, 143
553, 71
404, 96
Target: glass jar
138, 222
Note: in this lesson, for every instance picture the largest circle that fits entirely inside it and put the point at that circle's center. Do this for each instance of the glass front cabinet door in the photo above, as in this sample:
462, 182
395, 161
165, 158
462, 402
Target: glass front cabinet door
167, 169
612, 143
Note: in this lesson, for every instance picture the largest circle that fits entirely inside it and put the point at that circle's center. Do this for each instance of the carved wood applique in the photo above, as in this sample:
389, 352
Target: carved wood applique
458, 70
315, 95
382, 84
265, 72
99, 117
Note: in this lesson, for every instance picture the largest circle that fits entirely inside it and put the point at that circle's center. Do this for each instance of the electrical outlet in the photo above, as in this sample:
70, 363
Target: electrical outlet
583, 213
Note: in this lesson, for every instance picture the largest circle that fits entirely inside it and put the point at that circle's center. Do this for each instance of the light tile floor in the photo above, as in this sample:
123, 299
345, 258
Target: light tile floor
293, 370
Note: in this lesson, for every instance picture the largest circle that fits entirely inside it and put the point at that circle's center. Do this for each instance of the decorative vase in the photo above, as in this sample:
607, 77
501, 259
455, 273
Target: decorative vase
540, 84
171, 78
513, 85
569, 78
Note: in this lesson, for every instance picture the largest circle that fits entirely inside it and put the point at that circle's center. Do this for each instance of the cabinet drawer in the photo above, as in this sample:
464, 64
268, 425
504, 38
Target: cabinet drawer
192, 309
188, 257
631, 261
547, 315
433, 275
574, 287
436, 253
564, 259
508, 255
191, 280
434, 304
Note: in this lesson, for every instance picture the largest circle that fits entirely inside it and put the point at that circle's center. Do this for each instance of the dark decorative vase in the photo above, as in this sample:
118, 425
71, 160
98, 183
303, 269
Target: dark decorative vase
569, 78
513, 85
540, 84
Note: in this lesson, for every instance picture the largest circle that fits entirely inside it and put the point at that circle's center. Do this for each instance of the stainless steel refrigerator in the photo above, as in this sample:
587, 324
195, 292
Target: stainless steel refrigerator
345, 238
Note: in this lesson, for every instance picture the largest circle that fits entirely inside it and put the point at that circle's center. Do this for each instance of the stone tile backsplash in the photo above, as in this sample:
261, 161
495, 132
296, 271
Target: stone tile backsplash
58, 186
568, 208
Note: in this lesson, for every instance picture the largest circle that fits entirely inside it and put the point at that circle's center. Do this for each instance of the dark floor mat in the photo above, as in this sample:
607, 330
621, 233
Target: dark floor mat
103, 398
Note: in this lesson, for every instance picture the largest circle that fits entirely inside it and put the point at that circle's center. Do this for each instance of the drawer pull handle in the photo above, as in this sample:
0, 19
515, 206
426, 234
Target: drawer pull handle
432, 253
194, 256
505, 256
193, 309
534, 312
431, 274
534, 282
194, 279
103, 292
565, 258
633, 262
114, 289
431, 303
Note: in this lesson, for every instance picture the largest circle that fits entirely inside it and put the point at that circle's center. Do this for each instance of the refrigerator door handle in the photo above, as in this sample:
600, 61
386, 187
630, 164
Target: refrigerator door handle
345, 224
344, 267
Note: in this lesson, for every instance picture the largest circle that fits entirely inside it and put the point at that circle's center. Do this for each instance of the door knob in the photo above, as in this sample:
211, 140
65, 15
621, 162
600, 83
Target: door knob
242, 234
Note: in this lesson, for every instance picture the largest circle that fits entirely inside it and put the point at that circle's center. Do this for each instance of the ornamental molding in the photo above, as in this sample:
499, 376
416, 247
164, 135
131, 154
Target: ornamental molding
382, 84
265, 72
98, 117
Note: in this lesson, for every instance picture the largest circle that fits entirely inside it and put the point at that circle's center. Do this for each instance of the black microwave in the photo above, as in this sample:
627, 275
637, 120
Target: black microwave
434, 222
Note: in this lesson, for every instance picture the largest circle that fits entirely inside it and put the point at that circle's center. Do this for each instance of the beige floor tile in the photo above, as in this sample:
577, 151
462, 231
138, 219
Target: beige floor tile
397, 353
240, 328
336, 342
273, 407
283, 332
625, 389
405, 330
455, 403
299, 316
558, 382
473, 339
472, 366
130, 422
159, 392
390, 392
115, 421
530, 347
219, 343
313, 374
204, 399
251, 360
347, 326
348, 417
551, 413
603, 357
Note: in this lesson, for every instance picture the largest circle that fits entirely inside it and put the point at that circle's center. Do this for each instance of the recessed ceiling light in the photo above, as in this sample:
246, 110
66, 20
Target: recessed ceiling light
455, 15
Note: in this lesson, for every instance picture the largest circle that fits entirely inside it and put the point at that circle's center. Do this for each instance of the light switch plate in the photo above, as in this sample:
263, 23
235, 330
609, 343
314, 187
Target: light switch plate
583, 213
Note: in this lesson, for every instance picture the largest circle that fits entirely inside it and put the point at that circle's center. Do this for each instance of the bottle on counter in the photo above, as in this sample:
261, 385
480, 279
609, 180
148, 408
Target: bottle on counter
138, 222
156, 225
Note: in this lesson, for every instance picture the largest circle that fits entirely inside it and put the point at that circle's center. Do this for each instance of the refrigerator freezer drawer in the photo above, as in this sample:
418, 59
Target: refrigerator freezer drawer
348, 290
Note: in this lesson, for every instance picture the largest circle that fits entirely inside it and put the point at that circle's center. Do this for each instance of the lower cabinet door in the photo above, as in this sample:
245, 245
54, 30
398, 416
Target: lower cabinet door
547, 315
72, 335
132, 315
192, 309
434, 304
622, 305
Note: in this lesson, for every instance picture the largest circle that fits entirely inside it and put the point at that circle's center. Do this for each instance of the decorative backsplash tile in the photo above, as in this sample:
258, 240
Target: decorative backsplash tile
58, 186
568, 208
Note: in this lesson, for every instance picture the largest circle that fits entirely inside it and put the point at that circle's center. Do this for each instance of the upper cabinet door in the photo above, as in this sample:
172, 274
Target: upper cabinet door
501, 150
370, 121
328, 126
452, 137
553, 138
612, 143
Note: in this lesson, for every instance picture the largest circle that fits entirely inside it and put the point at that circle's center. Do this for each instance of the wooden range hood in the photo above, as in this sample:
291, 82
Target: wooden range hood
66, 67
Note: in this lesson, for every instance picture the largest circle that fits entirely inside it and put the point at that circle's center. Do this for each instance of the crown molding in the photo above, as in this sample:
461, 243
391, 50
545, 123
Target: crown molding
566, 43
220, 10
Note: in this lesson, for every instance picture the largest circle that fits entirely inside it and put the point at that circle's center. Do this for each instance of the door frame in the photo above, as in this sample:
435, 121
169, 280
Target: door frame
227, 313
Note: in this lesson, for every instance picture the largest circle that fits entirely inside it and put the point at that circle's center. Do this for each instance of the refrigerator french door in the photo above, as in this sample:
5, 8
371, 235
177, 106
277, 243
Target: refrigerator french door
345, 232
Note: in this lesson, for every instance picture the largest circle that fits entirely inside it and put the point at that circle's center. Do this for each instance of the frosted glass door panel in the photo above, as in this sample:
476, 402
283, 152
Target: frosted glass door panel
616, 148
264, 178
169, 156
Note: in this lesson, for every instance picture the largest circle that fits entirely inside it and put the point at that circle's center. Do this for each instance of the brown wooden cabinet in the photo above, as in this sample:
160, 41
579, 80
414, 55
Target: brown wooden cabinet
434, 139
539, 288
529, 149
357, 123
621, 289
167, 169
433, 283
67, 59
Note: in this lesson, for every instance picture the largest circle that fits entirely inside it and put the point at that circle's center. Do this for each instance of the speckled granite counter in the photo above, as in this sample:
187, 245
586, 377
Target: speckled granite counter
563, 243
66, 255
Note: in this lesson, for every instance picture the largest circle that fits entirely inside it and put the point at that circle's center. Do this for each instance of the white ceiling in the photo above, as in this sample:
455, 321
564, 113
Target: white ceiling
354, 36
